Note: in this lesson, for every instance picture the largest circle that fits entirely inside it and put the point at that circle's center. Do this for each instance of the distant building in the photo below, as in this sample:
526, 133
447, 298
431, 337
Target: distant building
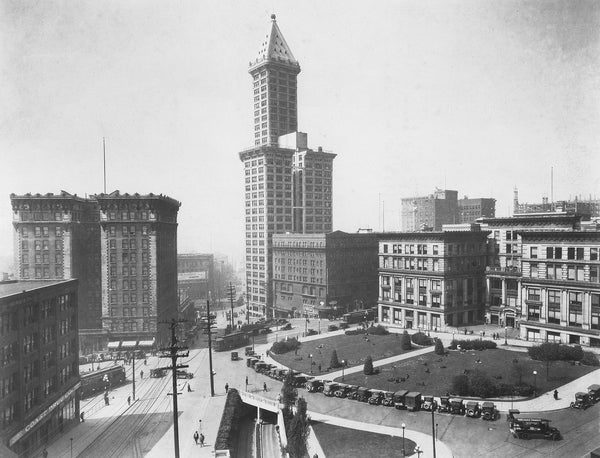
195, 274
588, 208
57, 237
430, 280
39, 371
324, 274
471, 209
288, 186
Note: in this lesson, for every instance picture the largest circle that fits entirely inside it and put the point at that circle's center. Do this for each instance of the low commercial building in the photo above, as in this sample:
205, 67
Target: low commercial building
324, 274
39, 365
430, 280
195, 275
561, 287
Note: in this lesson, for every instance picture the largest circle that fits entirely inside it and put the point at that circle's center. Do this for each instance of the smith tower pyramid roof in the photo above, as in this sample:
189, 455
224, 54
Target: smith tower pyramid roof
275, 72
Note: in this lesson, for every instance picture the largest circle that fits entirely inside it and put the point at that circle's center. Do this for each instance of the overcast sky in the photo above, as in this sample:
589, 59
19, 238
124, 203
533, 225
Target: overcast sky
477, 96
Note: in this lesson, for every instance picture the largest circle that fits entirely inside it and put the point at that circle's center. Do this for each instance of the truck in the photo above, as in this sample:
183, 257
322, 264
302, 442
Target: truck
314, 386
472, 409
429, 403
329, 388
533, 428
413, 401
594, 392
400, 399
457, 406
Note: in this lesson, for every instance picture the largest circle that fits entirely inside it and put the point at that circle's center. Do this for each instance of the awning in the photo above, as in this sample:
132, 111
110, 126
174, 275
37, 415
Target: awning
129, 344
113, 345
144, 344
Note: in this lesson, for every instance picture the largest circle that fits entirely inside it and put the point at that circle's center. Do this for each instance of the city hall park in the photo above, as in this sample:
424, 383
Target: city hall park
431, 374
354, 349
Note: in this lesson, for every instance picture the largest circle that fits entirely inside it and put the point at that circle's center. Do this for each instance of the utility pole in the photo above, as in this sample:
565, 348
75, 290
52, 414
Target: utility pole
133, 359
434, 431
209, 324
231, 294
173, 352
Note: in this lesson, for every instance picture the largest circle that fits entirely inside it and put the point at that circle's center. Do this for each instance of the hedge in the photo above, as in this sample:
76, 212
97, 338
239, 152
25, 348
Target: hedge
229, 428
480, 385
589, 359
421, 339
473, 344
378, 330
284, 346
551, 351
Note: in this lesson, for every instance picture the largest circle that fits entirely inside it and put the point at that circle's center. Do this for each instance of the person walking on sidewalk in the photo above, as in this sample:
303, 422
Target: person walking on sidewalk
141, 374
265, 387
201, 440
246, 383
196, 437
556, 395
189, 388
226, 387
81, 416
128, 400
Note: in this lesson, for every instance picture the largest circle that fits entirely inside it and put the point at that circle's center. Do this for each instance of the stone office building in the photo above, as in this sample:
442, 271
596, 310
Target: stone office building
288, 186
324, 274
39, 365
430, 280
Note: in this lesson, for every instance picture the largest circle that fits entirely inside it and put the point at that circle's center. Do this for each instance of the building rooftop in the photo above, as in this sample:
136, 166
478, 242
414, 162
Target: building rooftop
10, 288
275, 48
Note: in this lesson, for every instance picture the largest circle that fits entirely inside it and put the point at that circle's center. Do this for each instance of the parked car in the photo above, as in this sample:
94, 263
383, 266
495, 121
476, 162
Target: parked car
251, 362
363, 394
287, 327
234, 356
413, 401
511, 414
311, 332
353, 392
332, 327
472, 409
343, 325
582, 401
156, 373
488, 410
314, 386
329, 388
261, 367
342, 390
533, 428
249, 351
376, 397
388, 399
184, 374
457, 406
429, 403
400, 399
444, 405
594, 392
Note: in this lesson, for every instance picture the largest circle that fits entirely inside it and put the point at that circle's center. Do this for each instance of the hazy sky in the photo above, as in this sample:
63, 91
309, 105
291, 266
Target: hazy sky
477, 96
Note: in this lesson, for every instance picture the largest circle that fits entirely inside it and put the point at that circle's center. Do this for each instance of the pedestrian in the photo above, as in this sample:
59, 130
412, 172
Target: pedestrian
81, 416
201, 440
226, 387
128, 400
141, 374
246, 383
145, 362
45, 453
556, 395
196, 437
265, 386
189, 388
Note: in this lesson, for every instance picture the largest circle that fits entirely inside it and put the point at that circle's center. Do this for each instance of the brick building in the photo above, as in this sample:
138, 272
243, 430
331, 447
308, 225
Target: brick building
39, 366
195, 274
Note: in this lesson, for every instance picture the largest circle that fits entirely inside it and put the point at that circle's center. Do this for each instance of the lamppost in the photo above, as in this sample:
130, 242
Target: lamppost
505, 335
403, 449
71, 447
343, 365
534, 382
419, 451
310, 356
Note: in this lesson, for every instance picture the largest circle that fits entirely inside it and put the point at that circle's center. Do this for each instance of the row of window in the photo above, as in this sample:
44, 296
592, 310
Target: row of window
573, 253
129, 298
564, 272
128, 215
42, 231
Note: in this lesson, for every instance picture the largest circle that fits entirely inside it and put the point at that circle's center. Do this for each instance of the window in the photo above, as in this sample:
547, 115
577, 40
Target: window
575, 309
594, 274
554, 272
533, 312
534, 273
435, 249
595, 302
579, 253
554, 307
533, 251
570, 253
593, 254
533, 294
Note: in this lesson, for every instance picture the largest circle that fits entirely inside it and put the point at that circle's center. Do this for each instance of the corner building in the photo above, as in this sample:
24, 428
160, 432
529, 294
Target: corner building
288, 186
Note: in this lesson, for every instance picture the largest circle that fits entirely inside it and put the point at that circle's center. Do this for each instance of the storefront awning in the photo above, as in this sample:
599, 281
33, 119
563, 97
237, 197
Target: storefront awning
129, 344
113, 345
144, 344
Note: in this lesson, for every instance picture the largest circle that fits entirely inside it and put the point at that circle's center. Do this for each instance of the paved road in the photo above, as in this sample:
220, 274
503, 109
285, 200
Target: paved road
269, 442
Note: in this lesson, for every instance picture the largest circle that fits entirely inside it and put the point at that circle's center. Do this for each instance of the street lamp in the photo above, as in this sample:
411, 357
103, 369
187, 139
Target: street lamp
534, 382
505, 335
343, 364
310, 356
403, 449
419, 451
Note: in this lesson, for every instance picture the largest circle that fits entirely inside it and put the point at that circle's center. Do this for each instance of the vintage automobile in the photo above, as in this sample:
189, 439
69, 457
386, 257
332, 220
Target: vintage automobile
330, 388
353, 392
376, 397
511, 414
184, 374
582, 401
261, 367
388, 399
314, 386
363, 394
400, 399
429, 403
343, 390
444, 405
159, 372
299, 380
249, 351
594, 392
533, 428
250, 362
457, 406
488, 410
472, 409
412, 400
234, 356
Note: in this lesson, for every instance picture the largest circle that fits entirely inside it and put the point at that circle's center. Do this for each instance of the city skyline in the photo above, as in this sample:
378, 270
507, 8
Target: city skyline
465, 96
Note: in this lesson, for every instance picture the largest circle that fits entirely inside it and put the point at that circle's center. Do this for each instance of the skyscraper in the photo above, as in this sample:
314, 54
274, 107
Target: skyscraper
288, 186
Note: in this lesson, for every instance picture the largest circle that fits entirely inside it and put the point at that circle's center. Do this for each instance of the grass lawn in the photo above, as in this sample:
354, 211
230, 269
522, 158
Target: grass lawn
339, 442
353, 349
497, 363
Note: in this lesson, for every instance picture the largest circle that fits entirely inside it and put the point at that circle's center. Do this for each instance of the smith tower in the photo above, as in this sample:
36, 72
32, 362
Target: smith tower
288, 186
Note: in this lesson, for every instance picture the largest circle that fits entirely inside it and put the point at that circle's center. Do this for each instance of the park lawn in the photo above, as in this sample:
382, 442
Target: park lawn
339, 442
354, 349
497, 364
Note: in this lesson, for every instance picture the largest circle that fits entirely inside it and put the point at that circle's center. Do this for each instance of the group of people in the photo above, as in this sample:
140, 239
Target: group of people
199, 438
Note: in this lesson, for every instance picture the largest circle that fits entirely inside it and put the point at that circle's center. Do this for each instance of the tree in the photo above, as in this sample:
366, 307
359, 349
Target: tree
289, 394
334, 360
460, 385
368, 369
298, 431
518, 370
547, 352
405, 342
439, 347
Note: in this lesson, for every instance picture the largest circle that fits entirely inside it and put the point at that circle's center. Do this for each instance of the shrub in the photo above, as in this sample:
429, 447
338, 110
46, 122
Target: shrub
284, 346
481, 385
439, 347
405, 342
378, 330
590, 359
334, 360
551, 351
368, 368
460, 385
421, 339
354, 332
473, 344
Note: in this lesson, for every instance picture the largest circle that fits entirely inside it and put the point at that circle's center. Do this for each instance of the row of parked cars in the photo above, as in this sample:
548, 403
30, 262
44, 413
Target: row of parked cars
583, 399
